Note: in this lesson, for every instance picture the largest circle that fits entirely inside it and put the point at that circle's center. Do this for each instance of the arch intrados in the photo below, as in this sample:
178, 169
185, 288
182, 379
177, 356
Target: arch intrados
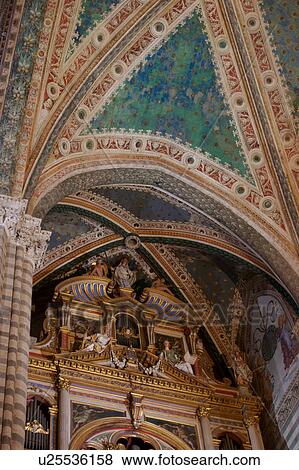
89, 430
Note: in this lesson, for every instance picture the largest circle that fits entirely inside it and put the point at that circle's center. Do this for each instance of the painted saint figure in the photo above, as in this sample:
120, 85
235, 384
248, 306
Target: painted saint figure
169, 354
288, 342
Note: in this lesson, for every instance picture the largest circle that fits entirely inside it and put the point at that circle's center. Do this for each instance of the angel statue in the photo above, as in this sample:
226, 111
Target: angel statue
169, 354
95, 342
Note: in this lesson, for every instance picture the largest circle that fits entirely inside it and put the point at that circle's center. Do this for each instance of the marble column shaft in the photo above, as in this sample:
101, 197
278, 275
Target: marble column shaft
203, 417
64, 415
21, 241
254, 433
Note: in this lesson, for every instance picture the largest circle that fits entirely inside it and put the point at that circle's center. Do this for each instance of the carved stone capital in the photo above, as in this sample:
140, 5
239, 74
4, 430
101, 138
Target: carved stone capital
203, 411
24, 229
33, 239
12, 212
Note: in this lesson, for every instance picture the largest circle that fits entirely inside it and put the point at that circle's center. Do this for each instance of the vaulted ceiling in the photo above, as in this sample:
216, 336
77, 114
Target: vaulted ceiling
170, 119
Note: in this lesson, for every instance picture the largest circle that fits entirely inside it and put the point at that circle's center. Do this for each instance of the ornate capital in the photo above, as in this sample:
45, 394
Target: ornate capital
251, 421
33, 239
24, 229
203, 411
12, 212
63, 383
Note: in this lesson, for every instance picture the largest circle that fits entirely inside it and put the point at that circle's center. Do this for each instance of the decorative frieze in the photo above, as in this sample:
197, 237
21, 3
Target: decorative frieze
289, 402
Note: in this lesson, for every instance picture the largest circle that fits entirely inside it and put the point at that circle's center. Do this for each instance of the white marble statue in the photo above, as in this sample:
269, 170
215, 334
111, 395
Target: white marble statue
123, 276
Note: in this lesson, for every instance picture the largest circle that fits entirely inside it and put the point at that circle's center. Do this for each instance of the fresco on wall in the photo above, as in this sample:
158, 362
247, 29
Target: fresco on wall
274, 348
83, 414
182, 431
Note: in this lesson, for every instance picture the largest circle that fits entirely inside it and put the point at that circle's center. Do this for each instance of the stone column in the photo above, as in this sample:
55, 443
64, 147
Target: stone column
53, 410
64, 414
202, 414
253, 428
22, 246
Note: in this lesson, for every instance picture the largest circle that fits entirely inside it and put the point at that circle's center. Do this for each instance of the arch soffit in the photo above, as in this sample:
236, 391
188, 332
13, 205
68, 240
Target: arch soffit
264, 240
123, 222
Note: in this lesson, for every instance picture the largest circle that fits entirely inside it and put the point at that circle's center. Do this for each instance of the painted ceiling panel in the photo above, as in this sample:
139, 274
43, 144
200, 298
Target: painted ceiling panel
283, 20
207, 271
176, 93
91, 13
65, 225
144, 205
